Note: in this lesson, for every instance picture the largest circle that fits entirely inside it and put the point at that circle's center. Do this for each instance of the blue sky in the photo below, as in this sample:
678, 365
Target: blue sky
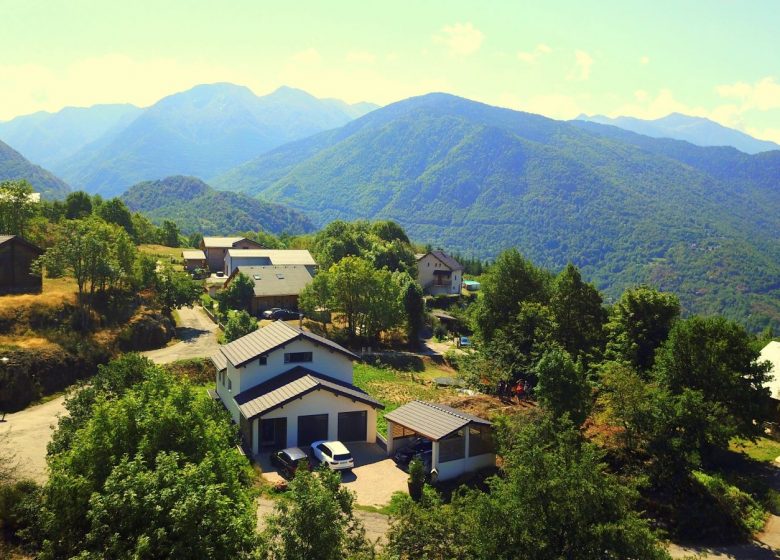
716, 59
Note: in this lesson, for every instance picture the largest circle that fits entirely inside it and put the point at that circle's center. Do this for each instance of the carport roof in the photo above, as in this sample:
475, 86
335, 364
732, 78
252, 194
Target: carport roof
296, 383
433, 421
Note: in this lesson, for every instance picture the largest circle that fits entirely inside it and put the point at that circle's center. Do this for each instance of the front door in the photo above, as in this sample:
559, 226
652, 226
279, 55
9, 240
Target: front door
273, 433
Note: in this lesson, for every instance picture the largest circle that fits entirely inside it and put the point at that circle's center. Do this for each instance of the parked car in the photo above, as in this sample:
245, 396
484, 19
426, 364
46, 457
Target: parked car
464, 342
289, 460
418, 446
334, 454
277, 313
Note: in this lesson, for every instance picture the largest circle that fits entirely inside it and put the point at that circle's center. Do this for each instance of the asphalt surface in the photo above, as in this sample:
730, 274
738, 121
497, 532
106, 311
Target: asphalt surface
197, 335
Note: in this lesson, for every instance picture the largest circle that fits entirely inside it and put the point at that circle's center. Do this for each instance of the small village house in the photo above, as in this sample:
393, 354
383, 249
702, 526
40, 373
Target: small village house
287, 387
16, 259
439, 274
275, 285
215, 249
194, 259
235, 258
771, 353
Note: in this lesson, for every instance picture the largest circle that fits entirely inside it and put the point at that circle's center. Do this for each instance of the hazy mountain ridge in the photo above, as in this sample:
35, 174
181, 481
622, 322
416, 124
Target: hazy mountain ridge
203, 132
14, 166
478, 179
696, 130
196, 207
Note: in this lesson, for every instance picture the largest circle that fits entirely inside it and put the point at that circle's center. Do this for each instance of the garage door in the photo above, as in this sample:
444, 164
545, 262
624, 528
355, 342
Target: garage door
311, 428
352, 426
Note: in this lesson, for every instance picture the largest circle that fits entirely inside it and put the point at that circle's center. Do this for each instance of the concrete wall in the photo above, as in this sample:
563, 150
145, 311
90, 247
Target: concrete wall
322, 402
427, 279
325, 361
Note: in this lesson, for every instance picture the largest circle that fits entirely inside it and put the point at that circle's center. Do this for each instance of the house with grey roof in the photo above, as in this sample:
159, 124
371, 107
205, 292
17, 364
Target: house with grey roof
439, 274
215, 249
460, 442
275, 285
235, 258
287, 387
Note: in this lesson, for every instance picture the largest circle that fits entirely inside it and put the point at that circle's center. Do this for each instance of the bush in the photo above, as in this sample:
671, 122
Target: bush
452, 359
146, 331
19, 506
195, 370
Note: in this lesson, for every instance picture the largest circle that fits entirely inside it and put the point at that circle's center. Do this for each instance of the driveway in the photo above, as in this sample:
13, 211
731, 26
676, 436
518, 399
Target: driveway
28, 432
373, 480
197, 335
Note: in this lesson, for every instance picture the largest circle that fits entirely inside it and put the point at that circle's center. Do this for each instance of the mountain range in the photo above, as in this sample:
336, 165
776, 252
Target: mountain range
14, 166
696, 130
477, 179
196, 207
203, 131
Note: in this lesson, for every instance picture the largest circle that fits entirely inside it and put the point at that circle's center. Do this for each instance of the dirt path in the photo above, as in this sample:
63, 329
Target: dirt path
197, 334
28, 432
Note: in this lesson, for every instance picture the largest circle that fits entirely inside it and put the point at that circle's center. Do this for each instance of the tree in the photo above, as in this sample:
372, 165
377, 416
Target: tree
114, 211
176, 289
195, 239
152, 472
98, 255
237, 295
414, 307
579, 314
78, 205
639, 322
509, 282
16, 207
145, 231
316, 523
716, 357
239, 323
169, 234
562, 389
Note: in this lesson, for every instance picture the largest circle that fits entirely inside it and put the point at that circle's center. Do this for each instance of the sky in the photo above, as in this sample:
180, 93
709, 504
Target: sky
716, 59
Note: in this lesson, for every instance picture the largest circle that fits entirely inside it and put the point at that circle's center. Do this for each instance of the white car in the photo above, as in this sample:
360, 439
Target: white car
334, 454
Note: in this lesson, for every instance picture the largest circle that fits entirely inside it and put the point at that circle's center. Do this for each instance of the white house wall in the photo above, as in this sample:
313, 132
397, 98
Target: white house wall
324, 361
427, 279
322, 402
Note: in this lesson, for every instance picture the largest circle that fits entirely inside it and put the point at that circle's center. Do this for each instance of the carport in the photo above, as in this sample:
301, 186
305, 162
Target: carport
462, 442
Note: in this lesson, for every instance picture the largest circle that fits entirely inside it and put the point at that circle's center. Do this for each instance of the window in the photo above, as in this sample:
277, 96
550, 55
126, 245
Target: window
262, 360
452, 447
297, 357
480, 440
230, 385
324, 449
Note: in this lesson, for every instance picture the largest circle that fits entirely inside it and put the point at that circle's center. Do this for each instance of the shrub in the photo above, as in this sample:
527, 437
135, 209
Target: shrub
195, 370
19, 506
146, 331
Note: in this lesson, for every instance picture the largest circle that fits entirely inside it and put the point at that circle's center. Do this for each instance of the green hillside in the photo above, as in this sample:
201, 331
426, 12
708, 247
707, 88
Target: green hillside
14, 166
478, 179
196, 207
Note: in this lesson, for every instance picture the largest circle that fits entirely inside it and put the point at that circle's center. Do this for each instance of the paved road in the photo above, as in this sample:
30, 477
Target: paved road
28, 432
197, 334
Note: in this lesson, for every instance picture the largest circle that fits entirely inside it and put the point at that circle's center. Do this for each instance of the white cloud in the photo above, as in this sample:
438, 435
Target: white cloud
582, 64
361, 57
460, 38
644, 60
772, 134
533, 56
640, 95
762, 95
309, 56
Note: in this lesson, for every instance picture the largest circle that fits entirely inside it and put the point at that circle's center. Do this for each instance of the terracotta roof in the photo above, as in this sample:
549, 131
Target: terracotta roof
269, 338
217, 242
288, 280
433, 421
291, 385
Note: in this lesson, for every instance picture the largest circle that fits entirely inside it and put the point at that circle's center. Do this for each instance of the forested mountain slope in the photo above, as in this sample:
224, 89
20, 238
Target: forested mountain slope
477, 179
14, 166
196, 207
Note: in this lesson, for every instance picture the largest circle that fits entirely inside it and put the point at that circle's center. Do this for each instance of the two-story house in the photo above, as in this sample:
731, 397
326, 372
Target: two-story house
438, 273
288, 387
215, 249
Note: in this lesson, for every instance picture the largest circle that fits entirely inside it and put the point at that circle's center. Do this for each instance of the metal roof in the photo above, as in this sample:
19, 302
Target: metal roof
22, 240
221, 242
219, 360
286, 280
193, 255
444, 258
433, 421
276, 256
269, 338
771, 353
296, 383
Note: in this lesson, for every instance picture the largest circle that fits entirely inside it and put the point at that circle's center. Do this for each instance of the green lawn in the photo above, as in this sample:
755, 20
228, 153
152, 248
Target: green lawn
765, 449
394, 388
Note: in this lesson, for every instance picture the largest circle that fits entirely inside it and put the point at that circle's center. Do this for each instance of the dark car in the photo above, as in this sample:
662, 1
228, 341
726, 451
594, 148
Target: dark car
288, 460
277, 313
418, 446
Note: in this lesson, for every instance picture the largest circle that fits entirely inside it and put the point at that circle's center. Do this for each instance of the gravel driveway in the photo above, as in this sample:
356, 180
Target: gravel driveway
197, 334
